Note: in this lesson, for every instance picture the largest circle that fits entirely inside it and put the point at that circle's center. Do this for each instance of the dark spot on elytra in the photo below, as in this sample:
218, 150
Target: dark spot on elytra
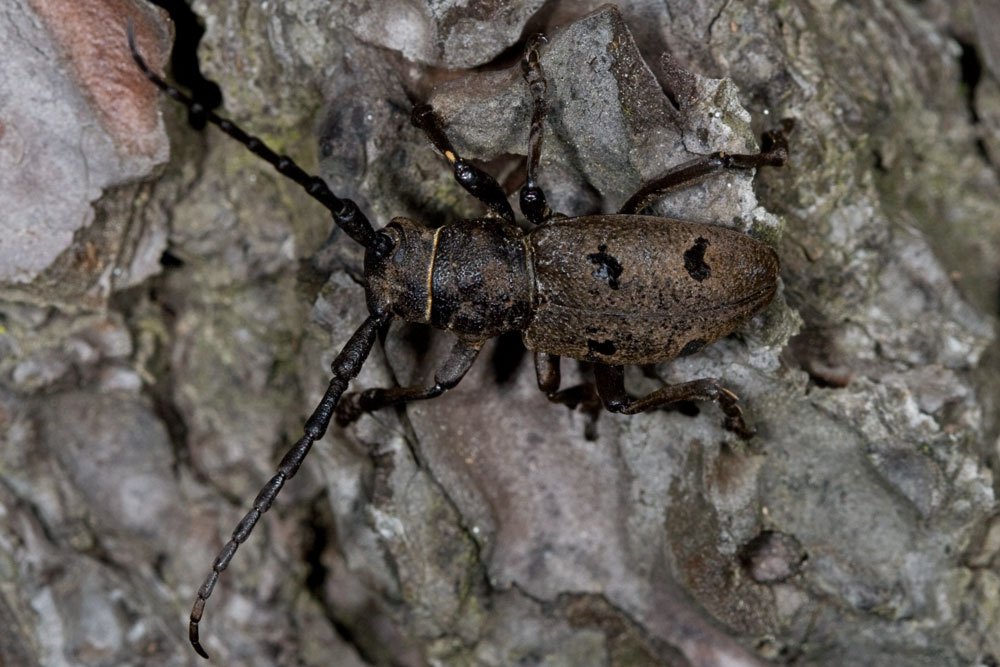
608, 268
605, 347
694, 260
691, 347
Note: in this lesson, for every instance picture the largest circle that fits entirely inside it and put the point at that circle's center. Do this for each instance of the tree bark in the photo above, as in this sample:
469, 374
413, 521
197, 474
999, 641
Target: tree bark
162, 342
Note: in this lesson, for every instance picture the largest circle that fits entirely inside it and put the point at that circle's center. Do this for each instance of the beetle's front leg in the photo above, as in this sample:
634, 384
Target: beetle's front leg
611, 387
583, 396
533, 203
458, 363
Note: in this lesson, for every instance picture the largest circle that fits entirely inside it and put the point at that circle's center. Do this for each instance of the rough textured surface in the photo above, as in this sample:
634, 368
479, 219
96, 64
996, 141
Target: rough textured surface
139, 416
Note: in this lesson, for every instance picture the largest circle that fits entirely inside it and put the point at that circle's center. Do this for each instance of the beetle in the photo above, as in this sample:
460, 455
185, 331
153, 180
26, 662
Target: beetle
613, 290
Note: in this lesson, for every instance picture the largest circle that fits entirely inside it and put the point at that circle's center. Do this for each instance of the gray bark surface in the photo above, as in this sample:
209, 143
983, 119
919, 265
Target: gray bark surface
165, 330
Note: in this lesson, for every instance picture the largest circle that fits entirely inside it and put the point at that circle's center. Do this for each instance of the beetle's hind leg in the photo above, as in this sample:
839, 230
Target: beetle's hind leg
773, 153
611, 387
458, 363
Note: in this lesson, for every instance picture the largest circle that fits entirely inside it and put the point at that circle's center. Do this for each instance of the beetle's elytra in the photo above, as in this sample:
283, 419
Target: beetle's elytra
612, 289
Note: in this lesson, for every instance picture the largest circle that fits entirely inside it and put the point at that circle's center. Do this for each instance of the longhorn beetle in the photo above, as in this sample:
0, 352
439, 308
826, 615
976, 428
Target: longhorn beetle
608, 289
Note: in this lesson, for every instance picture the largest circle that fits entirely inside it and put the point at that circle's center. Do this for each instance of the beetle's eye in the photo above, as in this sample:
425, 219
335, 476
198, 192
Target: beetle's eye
399, 256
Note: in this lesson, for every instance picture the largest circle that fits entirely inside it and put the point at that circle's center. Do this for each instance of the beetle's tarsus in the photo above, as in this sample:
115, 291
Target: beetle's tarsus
349, 409
774, 143
729, 402
740, 428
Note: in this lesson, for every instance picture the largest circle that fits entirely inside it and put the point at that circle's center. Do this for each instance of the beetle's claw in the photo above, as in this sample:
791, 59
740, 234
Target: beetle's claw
774, 143
729, 402
534, 42
349, 409
739, 427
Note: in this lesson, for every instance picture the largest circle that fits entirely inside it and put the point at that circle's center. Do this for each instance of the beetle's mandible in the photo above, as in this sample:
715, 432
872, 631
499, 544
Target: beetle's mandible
612, 290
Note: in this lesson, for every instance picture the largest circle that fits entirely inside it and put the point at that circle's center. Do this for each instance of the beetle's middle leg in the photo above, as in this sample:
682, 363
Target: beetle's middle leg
455, 367
611, 387
773, 153
583, 396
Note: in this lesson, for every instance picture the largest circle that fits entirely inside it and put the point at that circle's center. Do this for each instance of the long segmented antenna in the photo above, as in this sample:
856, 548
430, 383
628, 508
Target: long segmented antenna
345, 367
345, 212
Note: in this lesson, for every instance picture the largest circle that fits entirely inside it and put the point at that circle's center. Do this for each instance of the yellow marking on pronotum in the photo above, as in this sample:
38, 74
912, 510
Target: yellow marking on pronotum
430, 273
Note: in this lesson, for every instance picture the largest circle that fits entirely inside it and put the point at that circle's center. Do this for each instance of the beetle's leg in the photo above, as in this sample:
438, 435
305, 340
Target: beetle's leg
533, 204
611, 387
583, 396
345, 367
345, 212
773, 153
450, 374
479, 184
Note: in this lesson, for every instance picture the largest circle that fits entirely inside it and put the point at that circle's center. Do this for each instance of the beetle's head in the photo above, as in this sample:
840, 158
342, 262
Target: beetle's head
399, 281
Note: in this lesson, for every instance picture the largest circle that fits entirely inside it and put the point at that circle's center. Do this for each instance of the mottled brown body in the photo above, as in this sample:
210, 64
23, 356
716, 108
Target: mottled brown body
470, 277
630, 289
613, 289
482, 281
